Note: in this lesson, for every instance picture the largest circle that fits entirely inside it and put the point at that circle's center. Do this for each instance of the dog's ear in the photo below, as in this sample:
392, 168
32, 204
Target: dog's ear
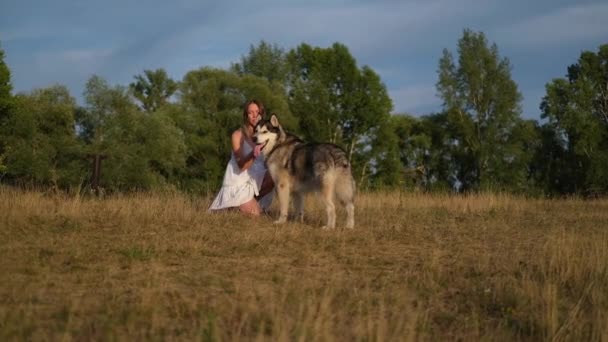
274, 121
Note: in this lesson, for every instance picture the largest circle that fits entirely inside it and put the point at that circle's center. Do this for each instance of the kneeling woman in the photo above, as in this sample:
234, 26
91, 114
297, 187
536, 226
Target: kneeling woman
247, 184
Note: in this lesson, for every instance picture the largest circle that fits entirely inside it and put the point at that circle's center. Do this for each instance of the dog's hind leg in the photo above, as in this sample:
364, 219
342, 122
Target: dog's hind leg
283, 194
345, 192
327, 189
350, 215
298, 205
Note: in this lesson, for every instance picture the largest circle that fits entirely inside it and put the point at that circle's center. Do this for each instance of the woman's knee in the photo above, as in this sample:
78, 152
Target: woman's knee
251, 208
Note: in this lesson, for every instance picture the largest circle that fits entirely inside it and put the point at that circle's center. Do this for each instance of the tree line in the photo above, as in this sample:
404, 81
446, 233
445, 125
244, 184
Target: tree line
159, 133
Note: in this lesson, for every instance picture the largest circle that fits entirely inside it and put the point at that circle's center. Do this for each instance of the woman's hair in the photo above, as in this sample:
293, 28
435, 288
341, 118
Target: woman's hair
245, 107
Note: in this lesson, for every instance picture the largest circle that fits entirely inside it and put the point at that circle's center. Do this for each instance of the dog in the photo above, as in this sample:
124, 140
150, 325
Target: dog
297, 168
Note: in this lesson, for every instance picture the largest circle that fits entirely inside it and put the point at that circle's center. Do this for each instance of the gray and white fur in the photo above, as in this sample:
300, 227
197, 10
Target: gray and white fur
298, 167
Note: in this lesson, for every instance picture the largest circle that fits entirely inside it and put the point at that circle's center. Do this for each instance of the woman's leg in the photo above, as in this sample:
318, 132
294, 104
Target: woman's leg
251, 207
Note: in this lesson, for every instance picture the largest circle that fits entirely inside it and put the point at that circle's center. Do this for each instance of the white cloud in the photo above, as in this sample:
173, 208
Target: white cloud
85, 56
13, 35
70, 67
73, 60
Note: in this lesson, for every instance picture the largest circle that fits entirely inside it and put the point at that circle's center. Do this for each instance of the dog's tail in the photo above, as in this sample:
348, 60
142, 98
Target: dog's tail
341, 162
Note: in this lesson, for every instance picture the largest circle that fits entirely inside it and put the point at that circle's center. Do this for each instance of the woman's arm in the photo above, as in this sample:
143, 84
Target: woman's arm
243, 161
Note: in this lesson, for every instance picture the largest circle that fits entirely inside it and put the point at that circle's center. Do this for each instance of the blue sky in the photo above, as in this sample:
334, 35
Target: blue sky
66, 41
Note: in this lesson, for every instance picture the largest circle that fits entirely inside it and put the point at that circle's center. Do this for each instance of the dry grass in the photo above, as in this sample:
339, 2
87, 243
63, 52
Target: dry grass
417, 267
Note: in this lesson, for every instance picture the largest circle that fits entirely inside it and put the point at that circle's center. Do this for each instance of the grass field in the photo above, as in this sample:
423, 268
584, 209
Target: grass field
417, 267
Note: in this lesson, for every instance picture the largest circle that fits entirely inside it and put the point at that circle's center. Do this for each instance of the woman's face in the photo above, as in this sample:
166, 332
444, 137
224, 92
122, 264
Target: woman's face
253, 114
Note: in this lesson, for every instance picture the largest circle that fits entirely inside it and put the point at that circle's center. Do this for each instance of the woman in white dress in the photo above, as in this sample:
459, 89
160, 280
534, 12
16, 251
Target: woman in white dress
247, 185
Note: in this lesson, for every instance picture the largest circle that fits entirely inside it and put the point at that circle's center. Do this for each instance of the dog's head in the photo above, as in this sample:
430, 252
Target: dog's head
268, 133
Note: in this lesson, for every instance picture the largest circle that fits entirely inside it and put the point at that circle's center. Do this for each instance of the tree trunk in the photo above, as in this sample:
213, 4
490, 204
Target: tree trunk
362, 175
351, 149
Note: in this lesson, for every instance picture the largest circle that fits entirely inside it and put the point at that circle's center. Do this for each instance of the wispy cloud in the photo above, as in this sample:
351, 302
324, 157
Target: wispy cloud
563, 25
65, 41
85, 56
72, 61
363, 27
13, 35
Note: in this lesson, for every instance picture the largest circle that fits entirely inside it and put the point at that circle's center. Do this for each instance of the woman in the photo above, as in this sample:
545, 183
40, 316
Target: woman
247, 184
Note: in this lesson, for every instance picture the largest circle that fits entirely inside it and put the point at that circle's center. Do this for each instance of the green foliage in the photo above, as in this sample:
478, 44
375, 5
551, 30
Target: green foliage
6, 109
478, 142
577, 131
153, 89
266, 61
98, 108
436, 151
5, 86
210, 109
414, 148
141, 150
482, 105
425, 151
43, 149
215, 91
386, 167
335, 101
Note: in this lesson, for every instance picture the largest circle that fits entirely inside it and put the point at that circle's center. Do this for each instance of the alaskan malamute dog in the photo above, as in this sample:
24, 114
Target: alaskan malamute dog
297, 167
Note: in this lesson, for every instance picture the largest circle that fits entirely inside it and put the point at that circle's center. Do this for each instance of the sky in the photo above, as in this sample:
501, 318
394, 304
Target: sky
66, 41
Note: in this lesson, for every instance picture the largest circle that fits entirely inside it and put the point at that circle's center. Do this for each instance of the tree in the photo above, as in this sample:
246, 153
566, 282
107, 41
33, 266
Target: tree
414, 146
44, 149
483, 109
577, 111
6, 108
266, 61
382, 158
142, 151
153, 89
209, 109
336, 101
98, 108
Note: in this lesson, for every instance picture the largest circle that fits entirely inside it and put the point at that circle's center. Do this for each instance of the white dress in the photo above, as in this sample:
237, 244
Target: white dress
240, 187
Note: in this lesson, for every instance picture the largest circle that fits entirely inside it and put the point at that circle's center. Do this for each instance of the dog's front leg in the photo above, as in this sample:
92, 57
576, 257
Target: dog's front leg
283, 194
